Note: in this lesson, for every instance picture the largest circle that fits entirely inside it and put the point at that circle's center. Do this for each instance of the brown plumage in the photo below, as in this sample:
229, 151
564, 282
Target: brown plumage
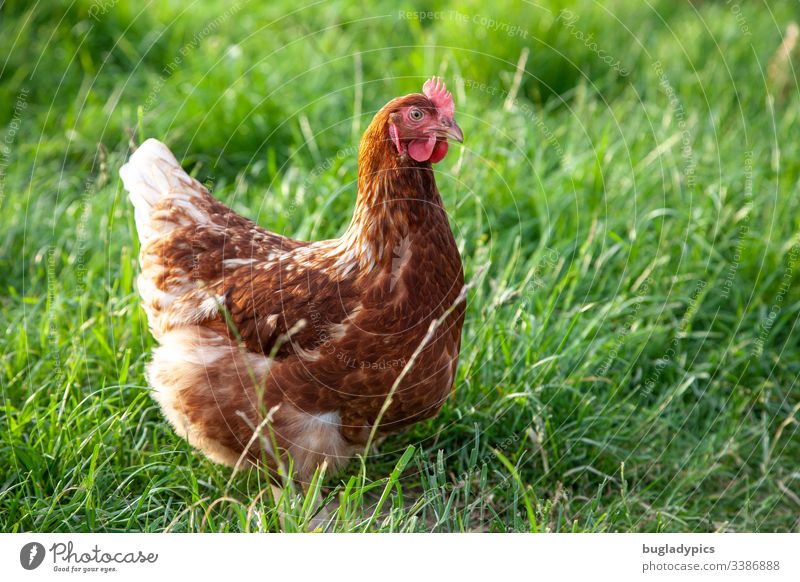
251, 323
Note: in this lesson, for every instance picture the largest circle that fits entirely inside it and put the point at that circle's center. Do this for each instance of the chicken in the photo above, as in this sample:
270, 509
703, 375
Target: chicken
266, 341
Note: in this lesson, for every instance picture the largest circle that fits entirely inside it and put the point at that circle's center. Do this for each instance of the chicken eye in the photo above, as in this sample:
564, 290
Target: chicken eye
416, 114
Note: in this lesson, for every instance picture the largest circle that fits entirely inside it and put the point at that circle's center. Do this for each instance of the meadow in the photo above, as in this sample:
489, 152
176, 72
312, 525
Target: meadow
629, 179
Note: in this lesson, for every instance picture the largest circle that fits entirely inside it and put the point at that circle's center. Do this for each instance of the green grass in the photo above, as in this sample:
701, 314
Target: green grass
630, 358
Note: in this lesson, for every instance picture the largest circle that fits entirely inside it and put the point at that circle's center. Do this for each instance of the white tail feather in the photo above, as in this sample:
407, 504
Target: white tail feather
151, 174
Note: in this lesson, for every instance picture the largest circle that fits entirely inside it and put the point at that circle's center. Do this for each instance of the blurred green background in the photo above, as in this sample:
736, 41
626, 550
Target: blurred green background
630, 173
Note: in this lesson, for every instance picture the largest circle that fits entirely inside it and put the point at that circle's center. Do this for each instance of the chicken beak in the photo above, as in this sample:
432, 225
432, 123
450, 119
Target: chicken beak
452, 131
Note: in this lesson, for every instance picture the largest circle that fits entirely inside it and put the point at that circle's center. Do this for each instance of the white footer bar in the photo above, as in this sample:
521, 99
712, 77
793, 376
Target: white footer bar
387, 557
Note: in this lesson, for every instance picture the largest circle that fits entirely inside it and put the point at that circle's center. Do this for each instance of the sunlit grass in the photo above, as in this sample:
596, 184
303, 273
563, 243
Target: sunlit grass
629, 359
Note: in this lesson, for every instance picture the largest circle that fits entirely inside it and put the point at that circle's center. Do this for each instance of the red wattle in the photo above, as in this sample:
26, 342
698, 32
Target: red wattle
395, 137
439, 152
420, 149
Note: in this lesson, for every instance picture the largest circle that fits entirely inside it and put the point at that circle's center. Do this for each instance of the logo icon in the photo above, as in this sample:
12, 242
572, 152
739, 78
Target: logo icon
31, 555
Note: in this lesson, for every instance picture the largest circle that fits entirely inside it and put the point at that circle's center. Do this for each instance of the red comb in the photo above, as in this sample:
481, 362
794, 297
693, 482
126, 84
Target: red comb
435, 90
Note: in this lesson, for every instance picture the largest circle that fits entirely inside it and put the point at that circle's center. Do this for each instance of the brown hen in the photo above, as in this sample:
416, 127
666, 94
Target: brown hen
313, 335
